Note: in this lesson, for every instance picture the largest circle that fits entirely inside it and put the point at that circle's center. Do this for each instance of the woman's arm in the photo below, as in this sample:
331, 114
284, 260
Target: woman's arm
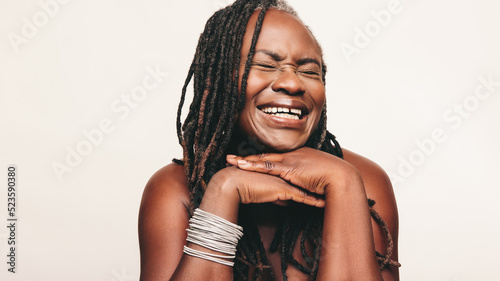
163, 218
378, 187
348, 250
164, 214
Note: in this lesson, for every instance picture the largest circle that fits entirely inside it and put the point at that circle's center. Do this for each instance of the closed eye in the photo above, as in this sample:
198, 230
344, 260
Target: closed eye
310, 72
264, 66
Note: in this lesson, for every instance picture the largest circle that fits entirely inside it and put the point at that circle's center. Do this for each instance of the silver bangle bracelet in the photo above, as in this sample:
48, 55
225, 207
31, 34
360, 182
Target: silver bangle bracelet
214, 233
208, 256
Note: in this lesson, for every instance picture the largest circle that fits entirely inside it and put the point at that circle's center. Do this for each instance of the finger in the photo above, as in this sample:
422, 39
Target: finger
261, 188
233, 159
266, 167
300, 196
280, 191
275, 157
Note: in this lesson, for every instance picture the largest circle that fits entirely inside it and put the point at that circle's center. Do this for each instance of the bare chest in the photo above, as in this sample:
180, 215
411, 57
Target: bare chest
275, 258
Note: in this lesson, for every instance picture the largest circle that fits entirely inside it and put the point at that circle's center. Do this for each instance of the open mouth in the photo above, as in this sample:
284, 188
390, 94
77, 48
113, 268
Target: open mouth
285, 112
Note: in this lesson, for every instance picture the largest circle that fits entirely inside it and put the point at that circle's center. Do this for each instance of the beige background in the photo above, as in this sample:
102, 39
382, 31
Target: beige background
68, 73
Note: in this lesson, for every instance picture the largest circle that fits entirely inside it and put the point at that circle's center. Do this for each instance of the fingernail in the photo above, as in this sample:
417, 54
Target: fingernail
242, 162
231, 156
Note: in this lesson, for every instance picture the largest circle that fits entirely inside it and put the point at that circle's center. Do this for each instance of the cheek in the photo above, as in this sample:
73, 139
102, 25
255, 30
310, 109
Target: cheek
244, 122
317, 91
319, 98
256, 83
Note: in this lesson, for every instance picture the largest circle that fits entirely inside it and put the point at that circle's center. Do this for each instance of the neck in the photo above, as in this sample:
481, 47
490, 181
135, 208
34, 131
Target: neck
244, 145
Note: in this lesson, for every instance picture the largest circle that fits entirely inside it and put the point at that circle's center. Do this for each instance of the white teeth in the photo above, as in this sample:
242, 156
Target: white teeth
279, 110
286, 115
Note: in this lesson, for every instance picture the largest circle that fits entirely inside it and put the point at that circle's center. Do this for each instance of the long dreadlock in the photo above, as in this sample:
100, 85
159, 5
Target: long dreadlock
206, 133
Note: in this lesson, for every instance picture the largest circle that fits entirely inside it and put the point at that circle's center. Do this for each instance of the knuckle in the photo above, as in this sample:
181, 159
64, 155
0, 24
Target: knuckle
268, 165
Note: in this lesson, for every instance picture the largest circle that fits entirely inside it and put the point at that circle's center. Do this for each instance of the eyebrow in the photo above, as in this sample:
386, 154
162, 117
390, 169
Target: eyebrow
278, 58
272, 54
308, 60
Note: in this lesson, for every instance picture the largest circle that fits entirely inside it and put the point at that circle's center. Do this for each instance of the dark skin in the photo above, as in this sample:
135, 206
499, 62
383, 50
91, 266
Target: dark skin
286, 72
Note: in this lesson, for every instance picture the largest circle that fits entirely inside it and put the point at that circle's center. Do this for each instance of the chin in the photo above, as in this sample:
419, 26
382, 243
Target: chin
284, 146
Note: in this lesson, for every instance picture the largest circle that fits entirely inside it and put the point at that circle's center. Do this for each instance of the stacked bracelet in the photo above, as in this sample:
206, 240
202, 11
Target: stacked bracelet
214, 233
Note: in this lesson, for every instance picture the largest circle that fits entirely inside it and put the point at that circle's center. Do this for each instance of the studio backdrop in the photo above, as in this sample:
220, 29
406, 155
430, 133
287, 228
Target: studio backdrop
88, 99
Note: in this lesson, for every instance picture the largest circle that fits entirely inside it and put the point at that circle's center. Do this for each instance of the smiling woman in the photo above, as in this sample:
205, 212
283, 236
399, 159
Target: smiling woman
293, 207
285, 94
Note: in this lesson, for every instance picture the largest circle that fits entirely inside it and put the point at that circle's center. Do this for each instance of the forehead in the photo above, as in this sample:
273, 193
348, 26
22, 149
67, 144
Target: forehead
282, 33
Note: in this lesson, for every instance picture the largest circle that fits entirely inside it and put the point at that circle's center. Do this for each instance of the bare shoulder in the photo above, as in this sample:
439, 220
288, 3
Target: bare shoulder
377, 184
379, 188
169, 180
163, 219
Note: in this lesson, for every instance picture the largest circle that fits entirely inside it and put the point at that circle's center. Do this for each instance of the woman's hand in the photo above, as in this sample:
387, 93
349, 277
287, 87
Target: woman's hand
310, 169
347, 248
255, 187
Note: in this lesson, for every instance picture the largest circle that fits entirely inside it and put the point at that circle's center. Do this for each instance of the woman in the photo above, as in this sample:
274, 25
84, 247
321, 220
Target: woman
257, 155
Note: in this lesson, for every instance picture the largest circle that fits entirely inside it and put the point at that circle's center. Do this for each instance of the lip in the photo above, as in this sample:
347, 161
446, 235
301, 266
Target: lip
286, 103
285, 123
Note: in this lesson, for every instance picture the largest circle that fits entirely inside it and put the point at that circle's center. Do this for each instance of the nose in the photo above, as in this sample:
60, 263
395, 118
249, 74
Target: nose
288, 82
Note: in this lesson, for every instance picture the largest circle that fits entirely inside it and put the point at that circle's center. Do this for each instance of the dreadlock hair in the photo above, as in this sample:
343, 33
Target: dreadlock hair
206, 133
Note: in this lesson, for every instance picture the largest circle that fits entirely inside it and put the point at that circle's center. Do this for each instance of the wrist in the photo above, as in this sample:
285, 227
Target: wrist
347, 181
221, 196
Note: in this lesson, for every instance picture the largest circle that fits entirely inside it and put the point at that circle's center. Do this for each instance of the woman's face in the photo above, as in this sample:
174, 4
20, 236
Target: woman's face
285, 92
